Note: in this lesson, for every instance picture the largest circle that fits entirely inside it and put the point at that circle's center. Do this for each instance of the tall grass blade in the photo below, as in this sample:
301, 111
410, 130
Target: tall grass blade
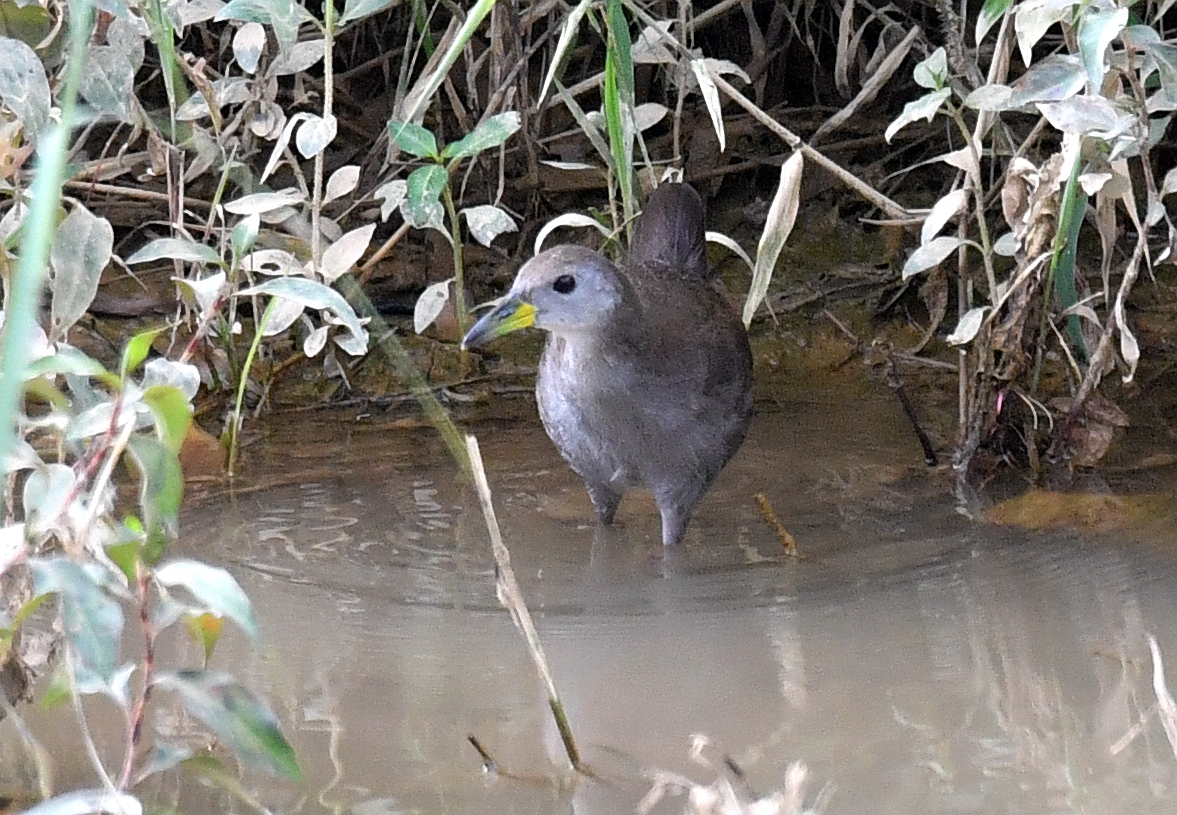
23, 294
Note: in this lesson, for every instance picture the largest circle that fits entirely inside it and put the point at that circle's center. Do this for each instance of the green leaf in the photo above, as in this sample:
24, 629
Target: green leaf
925, 107
58, 691
172, 414
619, 32
108, 81
282, 15
29, 24
8, 633
244, 234
358, 9
425, 185
237, 716
991, 12
161, 484
619, 101
47, 491
176, 249
125, 555
413, 139
205, 630
214, 587
67, 360
1062, 262
136, 350
1096, 32
932, 73
491, 133
23, 86
312, 294
81, 249
92, 620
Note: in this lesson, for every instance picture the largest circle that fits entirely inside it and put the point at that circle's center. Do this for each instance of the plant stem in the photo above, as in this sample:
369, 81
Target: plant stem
135, 722
978, 202
459, 266
328, 103
235, 425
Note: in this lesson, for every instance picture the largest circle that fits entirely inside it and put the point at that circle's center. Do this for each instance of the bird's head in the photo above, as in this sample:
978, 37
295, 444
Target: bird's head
565, 290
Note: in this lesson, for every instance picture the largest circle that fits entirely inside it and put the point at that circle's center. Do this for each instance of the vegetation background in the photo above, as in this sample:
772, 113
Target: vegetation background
201, 197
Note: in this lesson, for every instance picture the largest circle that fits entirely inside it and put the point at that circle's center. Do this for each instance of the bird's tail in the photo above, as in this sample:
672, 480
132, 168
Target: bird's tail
670, 231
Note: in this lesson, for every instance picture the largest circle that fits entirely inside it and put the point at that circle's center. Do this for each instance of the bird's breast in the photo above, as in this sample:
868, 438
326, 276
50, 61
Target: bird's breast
588, 410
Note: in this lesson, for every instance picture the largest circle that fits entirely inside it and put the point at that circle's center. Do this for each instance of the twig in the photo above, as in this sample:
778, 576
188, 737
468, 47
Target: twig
134, 193
116, 452
488, 763
852, 181
788, 542
896, 384
512, 598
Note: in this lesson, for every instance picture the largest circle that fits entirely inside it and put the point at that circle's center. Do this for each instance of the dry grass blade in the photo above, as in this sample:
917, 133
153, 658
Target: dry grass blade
871, 87
781, 217
1166, 706
511, 597
566, 35
842, 60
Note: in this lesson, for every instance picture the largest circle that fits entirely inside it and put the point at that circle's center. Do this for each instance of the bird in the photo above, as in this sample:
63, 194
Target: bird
645, 379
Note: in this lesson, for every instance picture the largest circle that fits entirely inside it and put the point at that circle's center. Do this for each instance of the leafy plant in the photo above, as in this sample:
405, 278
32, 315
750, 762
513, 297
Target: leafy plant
66, 424
426, 201
1102, 95
96, 567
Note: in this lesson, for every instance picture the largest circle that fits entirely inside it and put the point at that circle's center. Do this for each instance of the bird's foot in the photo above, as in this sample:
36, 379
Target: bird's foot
605, 501
674, 526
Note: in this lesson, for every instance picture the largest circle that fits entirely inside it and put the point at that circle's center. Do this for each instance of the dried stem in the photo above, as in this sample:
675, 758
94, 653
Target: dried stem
511, 596
852, 181
135, 720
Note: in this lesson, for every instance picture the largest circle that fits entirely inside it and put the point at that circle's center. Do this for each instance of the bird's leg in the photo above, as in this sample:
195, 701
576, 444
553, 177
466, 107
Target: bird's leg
676, 503
605, 501
674, 525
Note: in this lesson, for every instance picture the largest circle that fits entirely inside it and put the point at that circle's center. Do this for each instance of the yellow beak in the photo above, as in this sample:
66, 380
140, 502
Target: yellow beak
510, 315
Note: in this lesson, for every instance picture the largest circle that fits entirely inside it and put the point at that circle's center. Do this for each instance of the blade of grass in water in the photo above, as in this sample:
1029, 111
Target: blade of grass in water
1062, 264
23, 292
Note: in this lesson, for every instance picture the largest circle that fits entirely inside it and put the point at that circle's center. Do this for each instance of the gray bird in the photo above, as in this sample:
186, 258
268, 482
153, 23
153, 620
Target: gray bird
646, 375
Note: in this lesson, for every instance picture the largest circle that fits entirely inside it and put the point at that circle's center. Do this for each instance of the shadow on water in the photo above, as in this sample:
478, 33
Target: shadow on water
916, 662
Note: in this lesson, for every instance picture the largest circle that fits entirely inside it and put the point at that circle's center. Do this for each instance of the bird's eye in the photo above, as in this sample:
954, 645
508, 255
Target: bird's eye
564, 284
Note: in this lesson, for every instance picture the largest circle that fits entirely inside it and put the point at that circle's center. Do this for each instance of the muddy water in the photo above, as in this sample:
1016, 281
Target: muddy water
915, 662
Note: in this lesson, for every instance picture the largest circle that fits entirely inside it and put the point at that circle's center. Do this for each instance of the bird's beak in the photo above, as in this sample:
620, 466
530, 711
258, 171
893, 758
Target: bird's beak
510, 315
